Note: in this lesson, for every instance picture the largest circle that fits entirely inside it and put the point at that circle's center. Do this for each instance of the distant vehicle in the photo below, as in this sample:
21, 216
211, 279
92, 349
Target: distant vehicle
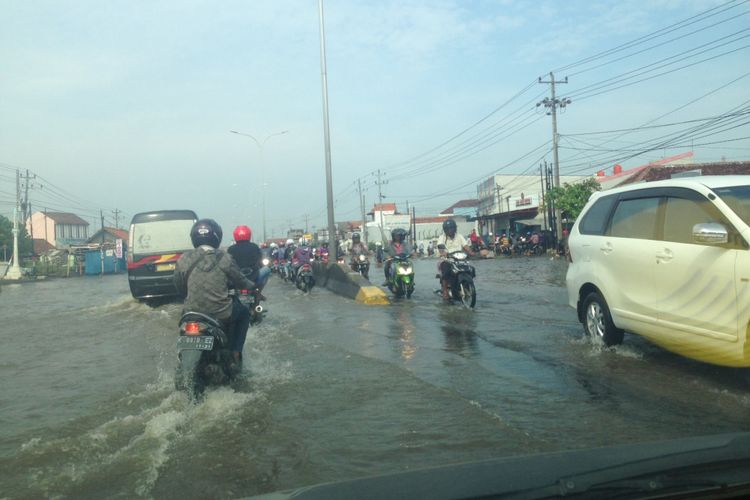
670, 261
157, 240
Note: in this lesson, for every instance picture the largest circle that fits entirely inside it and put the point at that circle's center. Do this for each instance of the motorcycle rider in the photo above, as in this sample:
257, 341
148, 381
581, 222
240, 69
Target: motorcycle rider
203, 277
397, 246
448, 242
249, 257
323, 252
357, 248
302, 255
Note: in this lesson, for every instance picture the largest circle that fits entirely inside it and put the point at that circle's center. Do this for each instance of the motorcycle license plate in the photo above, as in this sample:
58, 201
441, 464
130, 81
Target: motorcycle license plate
201, 342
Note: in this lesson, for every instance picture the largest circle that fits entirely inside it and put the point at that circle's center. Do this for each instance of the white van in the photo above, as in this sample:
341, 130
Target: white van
668, 260
156, 242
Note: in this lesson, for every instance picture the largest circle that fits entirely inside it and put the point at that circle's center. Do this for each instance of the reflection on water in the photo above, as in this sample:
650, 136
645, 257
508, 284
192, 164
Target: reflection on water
404, 330
459, 329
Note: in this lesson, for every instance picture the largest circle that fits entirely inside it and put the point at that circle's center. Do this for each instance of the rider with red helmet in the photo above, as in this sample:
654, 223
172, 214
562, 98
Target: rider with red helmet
248, 256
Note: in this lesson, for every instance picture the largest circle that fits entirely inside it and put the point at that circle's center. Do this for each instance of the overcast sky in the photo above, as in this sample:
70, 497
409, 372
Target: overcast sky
128, 104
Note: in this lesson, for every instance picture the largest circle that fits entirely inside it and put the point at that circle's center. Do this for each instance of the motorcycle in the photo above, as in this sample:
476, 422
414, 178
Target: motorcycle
322, 255
361, 265
461, 285
401, 279
304, 278
204, 354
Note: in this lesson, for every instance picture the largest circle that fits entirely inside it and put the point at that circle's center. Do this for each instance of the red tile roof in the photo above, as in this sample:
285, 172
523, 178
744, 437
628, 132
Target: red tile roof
657, 173
384, 207
41, 245
118, 233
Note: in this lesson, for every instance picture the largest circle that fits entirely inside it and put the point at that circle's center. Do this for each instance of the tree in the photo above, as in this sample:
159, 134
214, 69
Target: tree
6, 238
571, 198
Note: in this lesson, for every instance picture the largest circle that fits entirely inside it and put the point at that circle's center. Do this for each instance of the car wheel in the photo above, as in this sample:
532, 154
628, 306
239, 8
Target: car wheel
597, 320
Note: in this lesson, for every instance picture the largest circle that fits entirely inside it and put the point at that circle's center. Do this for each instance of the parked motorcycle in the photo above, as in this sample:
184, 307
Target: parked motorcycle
361, 265
461, 285
401, 279
204, 354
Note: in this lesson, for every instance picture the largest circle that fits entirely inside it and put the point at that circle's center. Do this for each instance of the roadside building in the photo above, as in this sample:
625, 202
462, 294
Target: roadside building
514, 203
58, 229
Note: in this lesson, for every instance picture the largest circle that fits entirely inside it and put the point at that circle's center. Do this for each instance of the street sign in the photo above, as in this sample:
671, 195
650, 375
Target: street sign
118, 248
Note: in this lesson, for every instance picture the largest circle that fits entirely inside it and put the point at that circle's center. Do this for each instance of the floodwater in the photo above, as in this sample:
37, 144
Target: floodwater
332, 390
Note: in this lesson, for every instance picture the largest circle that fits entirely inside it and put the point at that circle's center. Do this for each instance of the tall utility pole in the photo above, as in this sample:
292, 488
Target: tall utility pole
541, 180
552, 105
25, 208
380, 183
362, 208
117, 213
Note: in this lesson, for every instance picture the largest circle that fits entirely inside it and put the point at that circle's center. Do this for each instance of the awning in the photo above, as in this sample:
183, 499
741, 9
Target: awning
536, 221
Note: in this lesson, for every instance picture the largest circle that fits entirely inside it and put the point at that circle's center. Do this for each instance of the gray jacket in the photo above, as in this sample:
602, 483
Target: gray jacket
203, 276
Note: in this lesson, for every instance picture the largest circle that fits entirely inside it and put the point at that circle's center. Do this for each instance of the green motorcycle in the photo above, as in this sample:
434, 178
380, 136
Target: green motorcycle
401, 280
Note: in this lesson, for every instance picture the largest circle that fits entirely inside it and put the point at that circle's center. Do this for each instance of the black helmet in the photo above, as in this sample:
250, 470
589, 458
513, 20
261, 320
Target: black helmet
355, 237
206, 232
449, 225
398, 234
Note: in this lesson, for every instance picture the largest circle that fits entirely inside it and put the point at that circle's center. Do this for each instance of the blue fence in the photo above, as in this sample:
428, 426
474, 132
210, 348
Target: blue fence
111, 263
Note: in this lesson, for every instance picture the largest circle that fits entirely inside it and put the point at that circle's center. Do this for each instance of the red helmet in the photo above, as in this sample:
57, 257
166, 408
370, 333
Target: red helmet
242, 233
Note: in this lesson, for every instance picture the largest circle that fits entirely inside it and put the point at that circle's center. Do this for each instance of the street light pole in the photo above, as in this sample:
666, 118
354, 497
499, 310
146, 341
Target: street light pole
332, 242
260, 145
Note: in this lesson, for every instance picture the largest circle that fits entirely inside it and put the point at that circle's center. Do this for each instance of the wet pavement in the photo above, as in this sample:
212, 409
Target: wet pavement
332, 389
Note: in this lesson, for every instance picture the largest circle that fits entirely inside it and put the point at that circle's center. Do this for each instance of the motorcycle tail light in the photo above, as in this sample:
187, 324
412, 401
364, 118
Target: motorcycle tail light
192, 328
244, 292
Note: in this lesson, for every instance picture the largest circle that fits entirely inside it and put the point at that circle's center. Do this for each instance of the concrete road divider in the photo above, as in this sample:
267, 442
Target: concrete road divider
341, 280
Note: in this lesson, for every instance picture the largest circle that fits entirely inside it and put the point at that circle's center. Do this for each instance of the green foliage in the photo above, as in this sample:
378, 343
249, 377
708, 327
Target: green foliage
571, 198
6, 238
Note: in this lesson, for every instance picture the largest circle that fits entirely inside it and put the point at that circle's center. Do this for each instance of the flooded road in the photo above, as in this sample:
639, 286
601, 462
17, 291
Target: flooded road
332, 390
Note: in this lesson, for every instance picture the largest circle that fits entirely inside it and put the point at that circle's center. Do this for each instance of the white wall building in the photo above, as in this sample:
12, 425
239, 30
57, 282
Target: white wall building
512, 202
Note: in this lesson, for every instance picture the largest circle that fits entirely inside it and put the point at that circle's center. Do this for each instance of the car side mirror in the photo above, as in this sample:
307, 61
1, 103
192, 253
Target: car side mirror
711, 233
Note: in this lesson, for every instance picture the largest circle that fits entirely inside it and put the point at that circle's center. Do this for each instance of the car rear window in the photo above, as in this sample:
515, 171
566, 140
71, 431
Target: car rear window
161, 236
595, 219
635, 218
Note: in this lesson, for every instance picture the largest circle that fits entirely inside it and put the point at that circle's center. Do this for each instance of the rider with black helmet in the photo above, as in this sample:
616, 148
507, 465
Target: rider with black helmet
358, 248
397, 246
448, 242
202, 276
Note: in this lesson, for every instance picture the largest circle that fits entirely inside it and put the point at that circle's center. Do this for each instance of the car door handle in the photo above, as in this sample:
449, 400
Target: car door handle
664, 256
607, 248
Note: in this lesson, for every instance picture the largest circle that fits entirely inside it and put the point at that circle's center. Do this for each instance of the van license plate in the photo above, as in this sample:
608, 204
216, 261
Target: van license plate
165, 267
201, 343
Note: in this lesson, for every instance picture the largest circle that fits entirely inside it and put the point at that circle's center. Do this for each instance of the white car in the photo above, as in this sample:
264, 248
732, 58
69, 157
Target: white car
668, 260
